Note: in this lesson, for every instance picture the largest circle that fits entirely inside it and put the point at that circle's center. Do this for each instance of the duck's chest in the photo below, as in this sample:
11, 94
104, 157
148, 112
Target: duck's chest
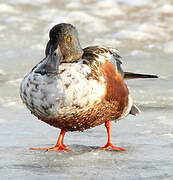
66, 93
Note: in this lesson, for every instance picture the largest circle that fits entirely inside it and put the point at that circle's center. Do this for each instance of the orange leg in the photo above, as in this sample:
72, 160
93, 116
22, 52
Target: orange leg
109, 144
59, 145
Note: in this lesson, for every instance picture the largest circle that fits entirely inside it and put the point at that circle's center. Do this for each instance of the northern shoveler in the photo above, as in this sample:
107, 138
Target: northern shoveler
76, 89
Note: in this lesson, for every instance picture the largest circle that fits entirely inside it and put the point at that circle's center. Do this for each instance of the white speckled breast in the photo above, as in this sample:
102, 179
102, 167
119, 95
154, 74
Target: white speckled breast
61, 94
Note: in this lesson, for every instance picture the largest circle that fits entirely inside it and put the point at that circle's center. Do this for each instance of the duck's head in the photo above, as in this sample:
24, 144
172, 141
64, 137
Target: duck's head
62, 47
64, 41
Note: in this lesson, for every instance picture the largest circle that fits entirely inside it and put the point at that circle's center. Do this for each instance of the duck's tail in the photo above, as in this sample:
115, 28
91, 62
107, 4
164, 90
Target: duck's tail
130, 75
134, 110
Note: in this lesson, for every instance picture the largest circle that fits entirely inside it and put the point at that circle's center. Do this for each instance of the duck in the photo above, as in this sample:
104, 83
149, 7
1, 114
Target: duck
75, 89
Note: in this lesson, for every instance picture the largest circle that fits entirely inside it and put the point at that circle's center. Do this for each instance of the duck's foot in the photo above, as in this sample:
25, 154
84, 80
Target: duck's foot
56, 148
111, 146
59, 145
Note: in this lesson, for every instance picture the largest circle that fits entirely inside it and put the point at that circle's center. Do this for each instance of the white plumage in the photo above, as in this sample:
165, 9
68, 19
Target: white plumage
61, 93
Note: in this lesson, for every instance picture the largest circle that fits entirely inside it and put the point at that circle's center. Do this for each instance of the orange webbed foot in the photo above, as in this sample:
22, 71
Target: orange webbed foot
111, 146
59, 145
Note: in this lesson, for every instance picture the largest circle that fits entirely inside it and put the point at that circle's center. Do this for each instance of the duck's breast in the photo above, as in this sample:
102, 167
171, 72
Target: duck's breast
76, 89
69, 91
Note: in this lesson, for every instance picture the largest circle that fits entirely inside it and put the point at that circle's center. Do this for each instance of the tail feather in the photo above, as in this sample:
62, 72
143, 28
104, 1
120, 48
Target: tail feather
130, 75
134, 110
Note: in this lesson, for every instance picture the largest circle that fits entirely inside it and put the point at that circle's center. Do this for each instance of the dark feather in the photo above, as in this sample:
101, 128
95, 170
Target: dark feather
118, 63
134, 110
130, 75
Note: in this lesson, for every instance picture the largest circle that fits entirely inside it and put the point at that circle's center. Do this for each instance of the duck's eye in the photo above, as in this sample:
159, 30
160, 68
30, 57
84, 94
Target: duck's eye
68, 39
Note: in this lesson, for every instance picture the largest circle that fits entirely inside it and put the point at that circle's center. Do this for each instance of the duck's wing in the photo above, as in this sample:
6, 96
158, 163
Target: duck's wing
101, 53
117, 58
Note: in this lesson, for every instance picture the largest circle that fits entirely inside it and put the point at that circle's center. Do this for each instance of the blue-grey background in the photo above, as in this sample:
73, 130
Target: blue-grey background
142, 32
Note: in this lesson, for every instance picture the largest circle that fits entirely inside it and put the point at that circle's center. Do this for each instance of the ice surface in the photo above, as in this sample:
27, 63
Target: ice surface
147, 138
142, 32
